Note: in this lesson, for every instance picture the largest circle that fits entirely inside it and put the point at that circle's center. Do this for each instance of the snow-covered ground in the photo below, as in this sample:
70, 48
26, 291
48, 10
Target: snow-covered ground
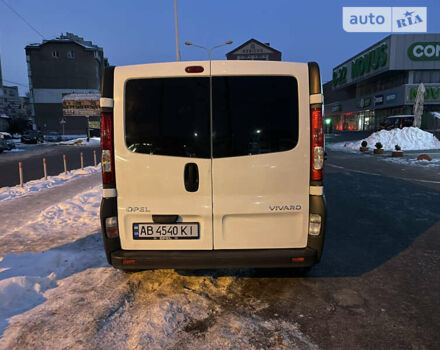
57, 292
407, 138
7, 193
82, 141
412, 161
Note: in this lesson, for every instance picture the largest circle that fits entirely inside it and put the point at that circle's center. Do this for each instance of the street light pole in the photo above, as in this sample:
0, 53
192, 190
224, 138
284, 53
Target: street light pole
208, 50
177, 31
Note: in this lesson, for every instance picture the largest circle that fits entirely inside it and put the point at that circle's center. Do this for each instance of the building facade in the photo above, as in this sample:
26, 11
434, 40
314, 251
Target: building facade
1, 89
382, 81
254, 50
67, 64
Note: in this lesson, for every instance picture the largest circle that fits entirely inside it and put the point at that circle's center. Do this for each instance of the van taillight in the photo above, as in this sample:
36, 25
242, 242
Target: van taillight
107, 155
317, 144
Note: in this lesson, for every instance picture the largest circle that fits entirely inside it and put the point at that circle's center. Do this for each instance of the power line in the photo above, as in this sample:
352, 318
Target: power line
22, 18
14, 82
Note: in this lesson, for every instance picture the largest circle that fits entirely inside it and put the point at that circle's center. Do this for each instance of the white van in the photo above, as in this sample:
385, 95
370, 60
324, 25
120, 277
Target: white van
212, 164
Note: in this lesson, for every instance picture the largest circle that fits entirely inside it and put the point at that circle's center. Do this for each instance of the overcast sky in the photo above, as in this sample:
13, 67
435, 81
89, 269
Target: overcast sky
132, 32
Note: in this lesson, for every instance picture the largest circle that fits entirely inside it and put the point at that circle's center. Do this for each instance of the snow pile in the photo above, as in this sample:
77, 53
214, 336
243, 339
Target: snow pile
58, 224
407, 138
82, 141
435, 162
7, 193
66, 228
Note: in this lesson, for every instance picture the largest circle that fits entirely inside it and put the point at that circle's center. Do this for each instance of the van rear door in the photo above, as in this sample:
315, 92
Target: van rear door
163, 156
261, 154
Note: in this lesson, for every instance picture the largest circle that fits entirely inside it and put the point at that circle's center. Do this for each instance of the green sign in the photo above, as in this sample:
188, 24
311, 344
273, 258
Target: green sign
431, 94
424, 51
364, 102
362, 65
371, 61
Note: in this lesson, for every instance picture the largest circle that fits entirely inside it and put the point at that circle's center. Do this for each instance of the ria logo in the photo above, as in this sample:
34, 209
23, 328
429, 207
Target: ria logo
413, 19
409, 19
384, 19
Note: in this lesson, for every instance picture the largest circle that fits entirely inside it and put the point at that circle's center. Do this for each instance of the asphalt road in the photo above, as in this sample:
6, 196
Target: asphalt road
32, 161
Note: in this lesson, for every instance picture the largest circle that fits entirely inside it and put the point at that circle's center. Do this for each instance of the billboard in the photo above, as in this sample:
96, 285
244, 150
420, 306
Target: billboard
81, 105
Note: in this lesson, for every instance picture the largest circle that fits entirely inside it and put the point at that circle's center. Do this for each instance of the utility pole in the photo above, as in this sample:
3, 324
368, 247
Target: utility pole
177, 31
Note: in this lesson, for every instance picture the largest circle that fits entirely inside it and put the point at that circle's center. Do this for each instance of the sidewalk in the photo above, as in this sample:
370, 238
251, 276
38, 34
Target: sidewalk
16, 213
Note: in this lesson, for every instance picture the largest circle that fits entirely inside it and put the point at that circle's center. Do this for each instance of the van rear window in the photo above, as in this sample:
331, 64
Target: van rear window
254, 115
168, 116
251, 115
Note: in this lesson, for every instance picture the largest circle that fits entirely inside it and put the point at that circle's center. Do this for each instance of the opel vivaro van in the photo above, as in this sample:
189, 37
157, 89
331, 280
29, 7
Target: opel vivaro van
212, 164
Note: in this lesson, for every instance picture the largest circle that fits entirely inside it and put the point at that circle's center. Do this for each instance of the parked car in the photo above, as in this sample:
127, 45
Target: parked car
32, 136
9, 140
212, 164
397, 121
3, 145
53, 136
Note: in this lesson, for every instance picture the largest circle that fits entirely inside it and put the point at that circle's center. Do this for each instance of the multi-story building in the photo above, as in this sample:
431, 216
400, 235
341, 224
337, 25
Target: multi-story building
382, 81
1, 88
11, 102
64, 65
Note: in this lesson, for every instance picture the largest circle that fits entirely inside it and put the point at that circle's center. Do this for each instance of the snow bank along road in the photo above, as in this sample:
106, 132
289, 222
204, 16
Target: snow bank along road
373, 289
32, 161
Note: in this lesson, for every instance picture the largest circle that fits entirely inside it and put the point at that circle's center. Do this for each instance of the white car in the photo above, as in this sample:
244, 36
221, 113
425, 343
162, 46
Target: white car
10, 144
212, 164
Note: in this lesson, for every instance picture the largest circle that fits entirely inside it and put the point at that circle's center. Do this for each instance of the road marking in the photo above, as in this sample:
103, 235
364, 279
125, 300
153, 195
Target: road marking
353, 170
374, 174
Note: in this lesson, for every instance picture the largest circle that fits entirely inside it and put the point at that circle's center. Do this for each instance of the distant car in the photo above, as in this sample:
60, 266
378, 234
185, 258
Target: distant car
53, 136
32, 136
8, 139
3, 145
397, 121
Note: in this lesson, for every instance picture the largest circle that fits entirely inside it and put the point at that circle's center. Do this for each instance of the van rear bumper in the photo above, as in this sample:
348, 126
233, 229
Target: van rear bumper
205, 259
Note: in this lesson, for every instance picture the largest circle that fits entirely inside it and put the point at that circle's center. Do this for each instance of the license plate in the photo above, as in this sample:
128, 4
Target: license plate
169, 231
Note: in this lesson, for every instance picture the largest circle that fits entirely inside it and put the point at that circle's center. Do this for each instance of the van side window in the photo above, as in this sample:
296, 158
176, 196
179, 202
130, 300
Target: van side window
254, 115
168, 116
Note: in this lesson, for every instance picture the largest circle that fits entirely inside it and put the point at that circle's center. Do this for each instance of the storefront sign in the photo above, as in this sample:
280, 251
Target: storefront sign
424, 51
369, 62
81, 105
432, 93
391, 97
362, 66
94, 125
364, 102
378, 100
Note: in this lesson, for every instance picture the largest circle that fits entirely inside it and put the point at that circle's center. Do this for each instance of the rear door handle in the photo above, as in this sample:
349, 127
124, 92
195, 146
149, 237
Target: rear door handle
191, 177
